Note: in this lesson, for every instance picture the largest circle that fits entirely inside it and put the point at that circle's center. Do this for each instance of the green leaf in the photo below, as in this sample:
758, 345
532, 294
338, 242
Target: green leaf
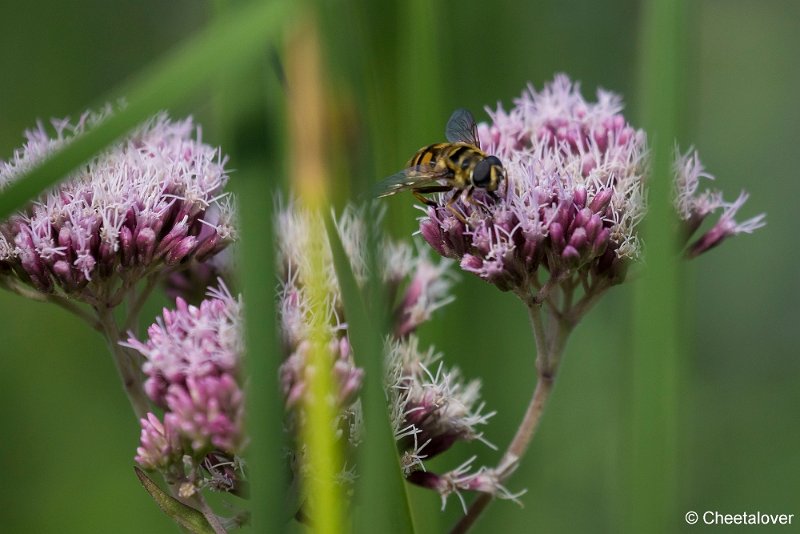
185, 516
224, 47
380, 489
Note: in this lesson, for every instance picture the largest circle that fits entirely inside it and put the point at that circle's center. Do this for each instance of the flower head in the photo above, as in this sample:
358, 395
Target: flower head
694, 208
193, 358
432, 406
414, 283
574, 195
193, 364
463, 478
151, 201
159, 444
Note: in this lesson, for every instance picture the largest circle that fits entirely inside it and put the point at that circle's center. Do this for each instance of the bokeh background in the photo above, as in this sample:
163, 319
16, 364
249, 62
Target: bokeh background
68, 438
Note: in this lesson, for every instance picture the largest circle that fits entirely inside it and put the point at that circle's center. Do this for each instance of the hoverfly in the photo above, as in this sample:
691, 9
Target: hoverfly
458, 165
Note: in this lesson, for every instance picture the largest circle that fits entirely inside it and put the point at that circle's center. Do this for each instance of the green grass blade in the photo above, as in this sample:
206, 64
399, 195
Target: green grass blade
380, 490
266, 457
324, 455
656, 359
241, 100
222, 48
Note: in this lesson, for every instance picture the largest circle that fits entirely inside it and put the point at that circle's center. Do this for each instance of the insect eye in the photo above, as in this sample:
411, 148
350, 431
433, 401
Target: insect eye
481, 176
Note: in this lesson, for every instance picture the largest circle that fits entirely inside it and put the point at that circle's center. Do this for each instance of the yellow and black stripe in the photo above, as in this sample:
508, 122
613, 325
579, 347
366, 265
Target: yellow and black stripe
458, 158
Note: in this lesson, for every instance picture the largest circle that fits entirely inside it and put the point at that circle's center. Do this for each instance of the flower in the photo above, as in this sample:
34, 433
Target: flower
193, 359
159, 445
573, 199
426, 292
193, 365
462, 478
148, 203
191, 342
416, 300
693, 208
432, 407
297, 313
560, 230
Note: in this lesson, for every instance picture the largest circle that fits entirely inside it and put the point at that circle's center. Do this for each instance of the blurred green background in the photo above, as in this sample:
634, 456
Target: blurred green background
69, 438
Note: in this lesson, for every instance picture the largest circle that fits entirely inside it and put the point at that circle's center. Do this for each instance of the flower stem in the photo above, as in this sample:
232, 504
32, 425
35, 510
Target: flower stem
213, 521
132, 320
529, 424
59, 300
518, 446
126, 367
550, 340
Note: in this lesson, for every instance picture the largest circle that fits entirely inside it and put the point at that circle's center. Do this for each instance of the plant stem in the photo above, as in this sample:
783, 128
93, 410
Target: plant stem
525, 432
76, 310
550, 340
59, 300
136, 305
590, 298
201, 504
128, 371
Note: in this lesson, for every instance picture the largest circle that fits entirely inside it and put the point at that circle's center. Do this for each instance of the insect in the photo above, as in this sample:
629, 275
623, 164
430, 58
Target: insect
458, 165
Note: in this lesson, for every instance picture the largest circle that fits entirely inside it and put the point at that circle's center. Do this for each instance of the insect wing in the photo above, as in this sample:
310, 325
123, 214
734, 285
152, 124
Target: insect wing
410, 178
461, 128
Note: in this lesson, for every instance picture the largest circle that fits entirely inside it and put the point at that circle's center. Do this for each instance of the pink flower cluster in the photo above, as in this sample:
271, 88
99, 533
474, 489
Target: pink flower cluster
431, 405
694, 208
152, 201
418, 287
193, 365
293, 371
574, 195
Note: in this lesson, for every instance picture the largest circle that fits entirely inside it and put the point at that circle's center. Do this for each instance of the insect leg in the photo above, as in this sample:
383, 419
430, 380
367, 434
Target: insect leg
485, 205
419, 191
453, 210
434, 189
466, 197
426, 201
